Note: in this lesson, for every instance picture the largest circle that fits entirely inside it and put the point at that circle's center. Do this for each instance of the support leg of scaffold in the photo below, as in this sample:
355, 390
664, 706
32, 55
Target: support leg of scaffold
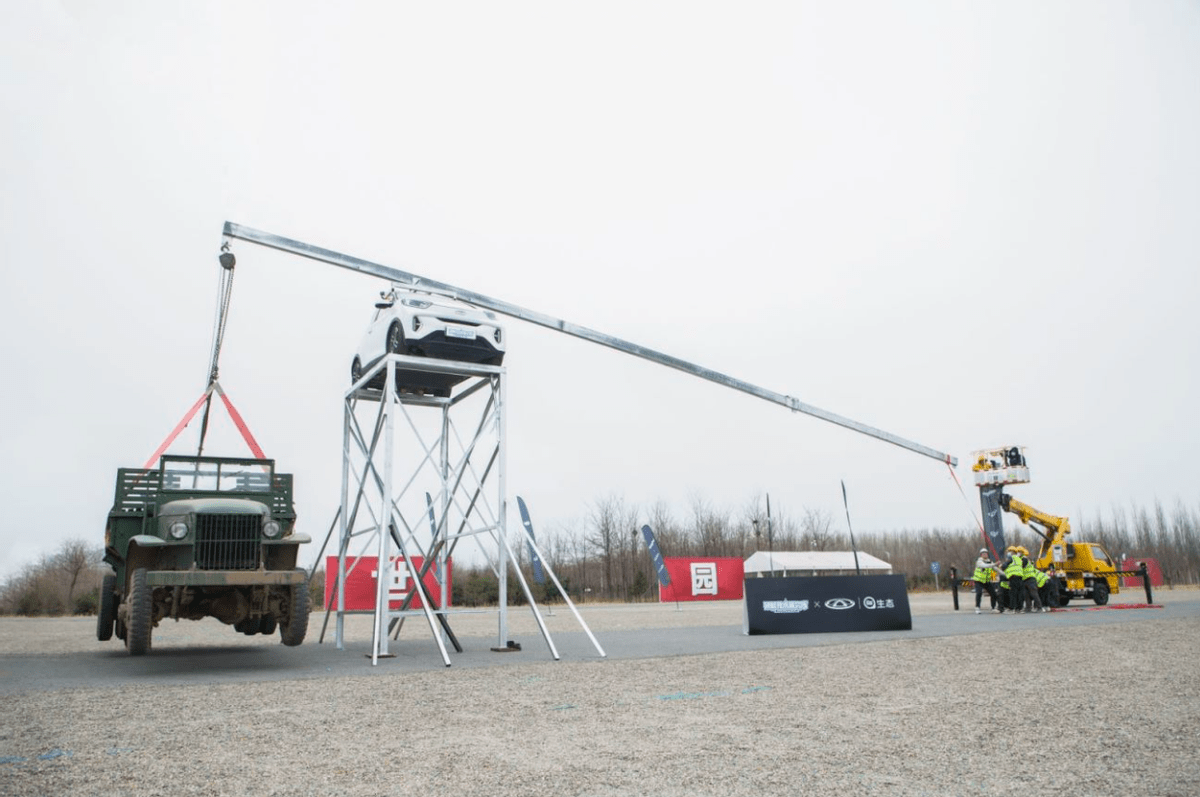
570, 605
532, 603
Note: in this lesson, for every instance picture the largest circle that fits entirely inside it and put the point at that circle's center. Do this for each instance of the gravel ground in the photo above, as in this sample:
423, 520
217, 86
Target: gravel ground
1088, 711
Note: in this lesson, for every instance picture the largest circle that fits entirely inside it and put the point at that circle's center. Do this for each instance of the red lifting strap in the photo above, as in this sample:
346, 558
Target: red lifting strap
233, 414
240, 424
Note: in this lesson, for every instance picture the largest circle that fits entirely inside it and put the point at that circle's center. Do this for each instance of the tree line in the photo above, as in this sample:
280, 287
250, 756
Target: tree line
603, 556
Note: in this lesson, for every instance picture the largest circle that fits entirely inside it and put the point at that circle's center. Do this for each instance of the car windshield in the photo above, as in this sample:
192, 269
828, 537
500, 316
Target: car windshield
217, 475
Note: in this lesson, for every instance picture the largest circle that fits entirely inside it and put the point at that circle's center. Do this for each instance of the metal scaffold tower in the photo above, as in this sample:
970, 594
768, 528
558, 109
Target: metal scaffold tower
420, 474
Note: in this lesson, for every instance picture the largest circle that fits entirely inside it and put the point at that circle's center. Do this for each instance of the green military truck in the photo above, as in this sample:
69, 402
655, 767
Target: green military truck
203, 537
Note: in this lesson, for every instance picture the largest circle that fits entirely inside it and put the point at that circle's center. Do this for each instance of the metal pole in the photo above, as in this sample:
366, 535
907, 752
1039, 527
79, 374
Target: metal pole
567, 598
770, 539
502, 520
383, 564
853, 547
344, 526
954, 586
317, 253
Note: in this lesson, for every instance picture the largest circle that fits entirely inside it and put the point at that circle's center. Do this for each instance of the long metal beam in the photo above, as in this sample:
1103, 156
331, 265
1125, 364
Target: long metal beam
237, 231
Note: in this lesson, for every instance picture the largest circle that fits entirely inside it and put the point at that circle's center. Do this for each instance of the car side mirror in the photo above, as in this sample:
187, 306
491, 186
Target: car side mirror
383, 305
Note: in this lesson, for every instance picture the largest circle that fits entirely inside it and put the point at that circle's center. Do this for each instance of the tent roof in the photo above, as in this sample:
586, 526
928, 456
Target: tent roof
764, 562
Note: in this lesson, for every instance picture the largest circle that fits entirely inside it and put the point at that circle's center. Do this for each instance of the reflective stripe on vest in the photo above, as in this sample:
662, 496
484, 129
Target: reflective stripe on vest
1041, 577
982, 574
1016, 568
1030, 569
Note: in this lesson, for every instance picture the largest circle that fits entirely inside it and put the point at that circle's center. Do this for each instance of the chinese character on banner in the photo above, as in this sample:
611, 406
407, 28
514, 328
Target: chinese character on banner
704, 578
398, 587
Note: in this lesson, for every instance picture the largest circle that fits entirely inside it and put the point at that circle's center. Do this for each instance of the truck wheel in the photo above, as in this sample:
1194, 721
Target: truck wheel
294, 625
141, 614
107, 611
268, 625
1100, 592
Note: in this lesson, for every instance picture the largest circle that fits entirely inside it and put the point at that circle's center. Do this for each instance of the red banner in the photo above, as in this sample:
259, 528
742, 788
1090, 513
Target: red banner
362, 581
713, 578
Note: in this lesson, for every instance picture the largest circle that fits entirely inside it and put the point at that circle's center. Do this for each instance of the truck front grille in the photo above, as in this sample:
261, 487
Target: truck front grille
228, 542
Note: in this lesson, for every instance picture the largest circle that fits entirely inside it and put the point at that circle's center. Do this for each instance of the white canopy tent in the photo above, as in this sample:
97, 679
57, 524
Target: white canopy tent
812, 563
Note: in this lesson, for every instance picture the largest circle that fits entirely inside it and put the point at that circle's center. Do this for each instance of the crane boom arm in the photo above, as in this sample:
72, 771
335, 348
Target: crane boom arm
1056, 528
302, 249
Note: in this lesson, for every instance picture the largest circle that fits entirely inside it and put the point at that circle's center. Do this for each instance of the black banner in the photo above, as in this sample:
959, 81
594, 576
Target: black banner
993, 522
664, 577
825, 604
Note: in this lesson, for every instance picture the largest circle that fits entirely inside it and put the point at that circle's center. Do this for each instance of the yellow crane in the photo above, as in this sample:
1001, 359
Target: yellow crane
1085, 569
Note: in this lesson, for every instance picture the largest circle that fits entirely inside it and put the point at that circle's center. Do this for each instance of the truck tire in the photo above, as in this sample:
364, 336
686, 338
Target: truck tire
141, 614
294, 625
106, 613
1100, 592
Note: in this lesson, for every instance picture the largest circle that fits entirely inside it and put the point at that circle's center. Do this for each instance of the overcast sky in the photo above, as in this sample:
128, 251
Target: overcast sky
968, 224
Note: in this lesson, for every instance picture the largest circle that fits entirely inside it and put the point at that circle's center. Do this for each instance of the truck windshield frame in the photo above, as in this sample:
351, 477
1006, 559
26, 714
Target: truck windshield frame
181, 474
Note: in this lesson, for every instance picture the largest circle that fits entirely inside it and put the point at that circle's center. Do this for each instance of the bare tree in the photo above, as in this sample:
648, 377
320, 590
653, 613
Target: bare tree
608, 536
74, 560
816, 526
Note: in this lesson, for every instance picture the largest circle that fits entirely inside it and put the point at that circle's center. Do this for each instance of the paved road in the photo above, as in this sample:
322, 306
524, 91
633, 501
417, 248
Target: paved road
416, 651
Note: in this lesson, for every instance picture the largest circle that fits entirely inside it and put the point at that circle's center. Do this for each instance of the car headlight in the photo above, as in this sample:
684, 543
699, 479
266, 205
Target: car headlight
271, 529
178, 530
420, 304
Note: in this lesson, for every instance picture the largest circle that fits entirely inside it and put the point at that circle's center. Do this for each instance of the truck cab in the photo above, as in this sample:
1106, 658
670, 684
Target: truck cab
203, 537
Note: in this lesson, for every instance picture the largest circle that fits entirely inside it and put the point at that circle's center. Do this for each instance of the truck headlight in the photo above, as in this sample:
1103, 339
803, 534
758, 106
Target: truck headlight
271, 529
178, 530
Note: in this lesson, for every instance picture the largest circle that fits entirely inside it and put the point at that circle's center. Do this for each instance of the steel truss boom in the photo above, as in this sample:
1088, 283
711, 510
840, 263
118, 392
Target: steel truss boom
302, 249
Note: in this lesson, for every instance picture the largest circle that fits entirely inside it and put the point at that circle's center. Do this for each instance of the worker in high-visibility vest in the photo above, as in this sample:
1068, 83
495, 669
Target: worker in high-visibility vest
1048, 588
985, 571
1014, 571
1032, 601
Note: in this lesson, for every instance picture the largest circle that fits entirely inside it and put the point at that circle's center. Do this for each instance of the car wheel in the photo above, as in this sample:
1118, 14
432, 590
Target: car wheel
141, 614
395, 338
294, 625
107, 612
1100, 592
356, 371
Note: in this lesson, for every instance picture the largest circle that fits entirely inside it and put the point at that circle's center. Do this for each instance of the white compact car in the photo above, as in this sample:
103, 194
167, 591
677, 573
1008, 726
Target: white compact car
422, 324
